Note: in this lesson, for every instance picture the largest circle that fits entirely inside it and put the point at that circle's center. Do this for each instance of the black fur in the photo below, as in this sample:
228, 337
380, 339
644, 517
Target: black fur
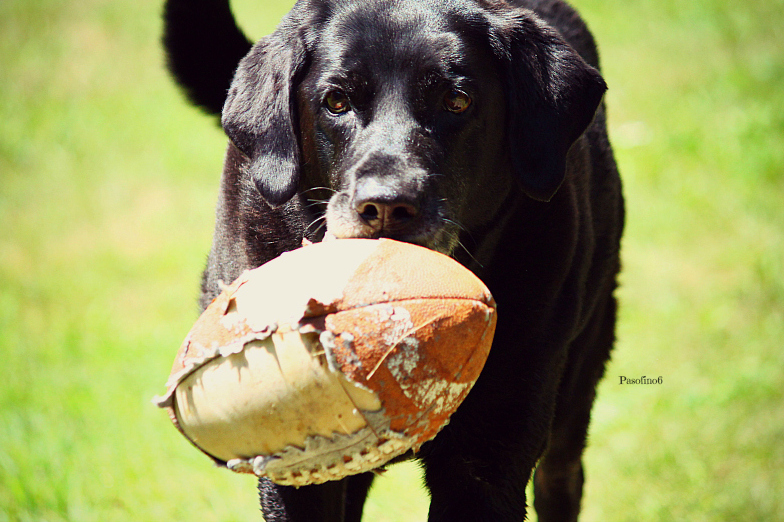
203, 44
521, 187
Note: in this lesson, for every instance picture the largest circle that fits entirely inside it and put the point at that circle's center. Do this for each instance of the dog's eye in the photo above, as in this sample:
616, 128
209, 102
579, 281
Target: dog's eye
337, 102
456, 101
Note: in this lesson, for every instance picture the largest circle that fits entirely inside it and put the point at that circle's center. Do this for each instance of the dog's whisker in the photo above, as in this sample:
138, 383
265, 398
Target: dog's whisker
314, 203
318, 188
475, 260
321, 220
455, 223
323, 224
462, 228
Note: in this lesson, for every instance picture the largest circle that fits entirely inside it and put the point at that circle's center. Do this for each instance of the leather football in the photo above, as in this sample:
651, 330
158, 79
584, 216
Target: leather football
331, 360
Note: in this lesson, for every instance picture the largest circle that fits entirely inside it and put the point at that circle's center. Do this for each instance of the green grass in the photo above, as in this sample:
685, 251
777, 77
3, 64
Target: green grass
107, 187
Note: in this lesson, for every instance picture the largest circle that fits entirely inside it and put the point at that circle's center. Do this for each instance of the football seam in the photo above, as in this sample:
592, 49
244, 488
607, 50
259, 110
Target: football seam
407, 299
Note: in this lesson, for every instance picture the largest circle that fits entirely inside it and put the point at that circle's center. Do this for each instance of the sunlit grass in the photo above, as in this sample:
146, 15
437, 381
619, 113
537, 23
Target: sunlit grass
107, 187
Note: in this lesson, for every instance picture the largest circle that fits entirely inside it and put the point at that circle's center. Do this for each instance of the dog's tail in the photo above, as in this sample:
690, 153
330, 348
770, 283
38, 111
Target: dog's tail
203, 47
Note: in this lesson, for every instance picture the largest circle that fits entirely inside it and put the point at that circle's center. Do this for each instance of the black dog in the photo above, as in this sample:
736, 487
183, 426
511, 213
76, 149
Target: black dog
473, 127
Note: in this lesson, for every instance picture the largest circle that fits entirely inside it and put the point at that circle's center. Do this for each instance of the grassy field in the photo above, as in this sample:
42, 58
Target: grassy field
107, 186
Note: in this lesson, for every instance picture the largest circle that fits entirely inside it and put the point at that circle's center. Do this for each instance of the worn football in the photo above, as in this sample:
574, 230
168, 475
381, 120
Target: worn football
331, 360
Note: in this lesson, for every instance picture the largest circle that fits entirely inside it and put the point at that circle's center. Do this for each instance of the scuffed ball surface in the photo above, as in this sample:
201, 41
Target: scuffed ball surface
331, 360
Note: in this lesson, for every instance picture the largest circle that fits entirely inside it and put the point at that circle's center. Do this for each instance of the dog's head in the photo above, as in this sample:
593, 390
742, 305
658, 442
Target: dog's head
418, 117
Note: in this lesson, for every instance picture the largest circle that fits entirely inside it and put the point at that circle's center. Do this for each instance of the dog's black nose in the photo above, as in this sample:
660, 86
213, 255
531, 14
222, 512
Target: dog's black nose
384, 208
391, 214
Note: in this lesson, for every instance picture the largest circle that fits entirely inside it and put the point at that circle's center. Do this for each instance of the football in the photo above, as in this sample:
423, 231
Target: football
331, 360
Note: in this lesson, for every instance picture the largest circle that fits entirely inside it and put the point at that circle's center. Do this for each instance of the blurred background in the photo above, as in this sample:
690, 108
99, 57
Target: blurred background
108, 181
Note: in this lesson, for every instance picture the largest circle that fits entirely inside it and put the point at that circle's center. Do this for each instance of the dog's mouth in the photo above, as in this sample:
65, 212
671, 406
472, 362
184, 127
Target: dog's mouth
421, 223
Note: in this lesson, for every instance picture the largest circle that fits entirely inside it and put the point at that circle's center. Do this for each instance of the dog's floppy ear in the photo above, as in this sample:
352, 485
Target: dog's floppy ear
259, 115
552, 96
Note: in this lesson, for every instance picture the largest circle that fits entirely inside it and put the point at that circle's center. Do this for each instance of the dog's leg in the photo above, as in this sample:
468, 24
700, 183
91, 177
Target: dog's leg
558, 488
321, 503
558, 480
477, 468
336, 501
356, 493
466, 487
